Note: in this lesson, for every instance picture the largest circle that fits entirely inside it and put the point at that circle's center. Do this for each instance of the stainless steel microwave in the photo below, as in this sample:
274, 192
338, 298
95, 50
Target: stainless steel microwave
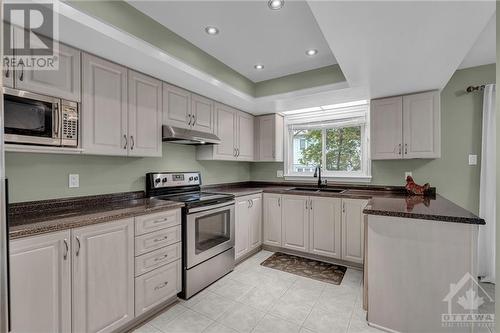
35, 119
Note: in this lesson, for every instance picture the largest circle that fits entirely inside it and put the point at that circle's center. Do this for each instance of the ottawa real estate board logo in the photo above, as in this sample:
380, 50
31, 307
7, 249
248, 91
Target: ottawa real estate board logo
30, 36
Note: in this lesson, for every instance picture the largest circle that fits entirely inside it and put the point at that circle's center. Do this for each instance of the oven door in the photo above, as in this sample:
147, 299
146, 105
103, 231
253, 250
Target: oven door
31, 118
210, 231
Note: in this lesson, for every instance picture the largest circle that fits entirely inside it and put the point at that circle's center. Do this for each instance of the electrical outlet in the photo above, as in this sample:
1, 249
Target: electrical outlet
279, 173
74, 180
408, 173
472, 159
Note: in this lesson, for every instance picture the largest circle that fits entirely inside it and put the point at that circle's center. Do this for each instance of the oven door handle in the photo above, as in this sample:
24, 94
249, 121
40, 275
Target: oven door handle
205, 208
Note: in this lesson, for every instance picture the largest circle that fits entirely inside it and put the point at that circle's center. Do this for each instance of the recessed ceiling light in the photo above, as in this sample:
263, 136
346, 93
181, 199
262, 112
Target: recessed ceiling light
212, 30
276, 4
312, 52
259, 66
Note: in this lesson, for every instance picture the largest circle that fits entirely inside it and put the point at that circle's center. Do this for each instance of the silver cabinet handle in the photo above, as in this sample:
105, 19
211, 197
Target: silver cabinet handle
234, 152
79, 246
126, 141
237, 152
194, 120
161, 285
160, 239
160, 221
21, 77
132, 142
343, 207
66, 249
162, 257
406, 149
399, 149
279, 202
189, 119
249, 204
311, 204
7, 72
306, 204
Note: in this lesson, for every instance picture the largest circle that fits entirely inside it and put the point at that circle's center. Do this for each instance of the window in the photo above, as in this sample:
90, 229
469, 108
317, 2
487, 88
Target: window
336, 139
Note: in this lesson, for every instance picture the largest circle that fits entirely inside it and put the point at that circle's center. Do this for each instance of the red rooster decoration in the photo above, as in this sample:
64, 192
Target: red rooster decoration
414, 188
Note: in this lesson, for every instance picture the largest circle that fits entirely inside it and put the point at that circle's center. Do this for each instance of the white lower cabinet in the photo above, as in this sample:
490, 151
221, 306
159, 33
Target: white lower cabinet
353, 230
40, 283
272, 219
324, 226
103, 276
295, 224
248, 224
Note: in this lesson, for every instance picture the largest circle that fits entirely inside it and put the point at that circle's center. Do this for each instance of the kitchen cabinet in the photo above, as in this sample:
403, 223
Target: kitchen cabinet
104, 107
144, 115
176, 106
226, 131
325, 221
40, 283
245, 135
406, 127
63, 82
269, 138
248, 224
272, 219
7, 73
202, 111
353, 229
295, 222
103, 276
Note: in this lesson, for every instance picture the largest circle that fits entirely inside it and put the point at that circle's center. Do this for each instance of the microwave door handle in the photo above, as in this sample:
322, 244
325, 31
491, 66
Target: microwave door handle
57, 120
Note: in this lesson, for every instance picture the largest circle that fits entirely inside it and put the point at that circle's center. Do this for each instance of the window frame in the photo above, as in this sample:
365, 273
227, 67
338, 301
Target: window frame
364, 175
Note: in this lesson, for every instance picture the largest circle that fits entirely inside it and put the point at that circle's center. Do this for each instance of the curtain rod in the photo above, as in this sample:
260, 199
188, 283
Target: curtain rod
475, 88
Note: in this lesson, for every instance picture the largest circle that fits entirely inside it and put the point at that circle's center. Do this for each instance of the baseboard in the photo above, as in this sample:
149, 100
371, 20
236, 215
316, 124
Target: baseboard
146, 317
248, 255
341, 262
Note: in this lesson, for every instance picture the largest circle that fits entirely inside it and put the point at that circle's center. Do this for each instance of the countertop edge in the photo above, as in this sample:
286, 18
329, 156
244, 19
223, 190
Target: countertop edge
441, 218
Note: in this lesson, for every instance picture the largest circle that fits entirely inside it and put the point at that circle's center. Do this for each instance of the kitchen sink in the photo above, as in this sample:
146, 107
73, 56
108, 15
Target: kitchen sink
307, 189
315, 189
333, 190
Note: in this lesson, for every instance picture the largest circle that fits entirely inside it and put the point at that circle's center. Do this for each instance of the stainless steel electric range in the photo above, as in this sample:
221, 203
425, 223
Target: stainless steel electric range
207, 227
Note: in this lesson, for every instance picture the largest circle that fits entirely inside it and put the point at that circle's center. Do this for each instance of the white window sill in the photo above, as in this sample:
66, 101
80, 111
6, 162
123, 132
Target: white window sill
336, 179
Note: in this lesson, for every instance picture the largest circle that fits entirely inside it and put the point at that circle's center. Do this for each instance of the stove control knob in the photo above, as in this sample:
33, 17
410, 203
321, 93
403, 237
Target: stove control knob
195, 178
157, 180
164, 180
190, 179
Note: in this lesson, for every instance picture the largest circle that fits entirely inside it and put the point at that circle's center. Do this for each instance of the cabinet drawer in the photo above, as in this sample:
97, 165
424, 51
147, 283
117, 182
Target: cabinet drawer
153, 222
149, 261
157, 286
155, 240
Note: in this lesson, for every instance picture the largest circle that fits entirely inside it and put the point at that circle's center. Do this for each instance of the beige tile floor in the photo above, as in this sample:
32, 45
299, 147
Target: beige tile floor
257, 299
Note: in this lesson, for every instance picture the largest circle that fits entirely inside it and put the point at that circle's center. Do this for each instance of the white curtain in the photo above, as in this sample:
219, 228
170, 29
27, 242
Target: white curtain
487, 192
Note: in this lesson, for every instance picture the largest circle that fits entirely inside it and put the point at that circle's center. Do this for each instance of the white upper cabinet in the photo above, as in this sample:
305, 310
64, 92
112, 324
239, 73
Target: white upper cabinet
295, 223
353, 230
226, 131
176, 106
63, 82
103, 276
406, 127
269, 138
202, 111
245, 131
386, 122
144, 115
104, 107
324, 226
422, 125
40, 283
272, 219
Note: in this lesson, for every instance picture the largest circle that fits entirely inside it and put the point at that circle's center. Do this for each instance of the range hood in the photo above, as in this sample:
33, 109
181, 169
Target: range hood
188, 136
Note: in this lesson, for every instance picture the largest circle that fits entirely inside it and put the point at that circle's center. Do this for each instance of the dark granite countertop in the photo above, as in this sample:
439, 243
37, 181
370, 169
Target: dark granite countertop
38, 217
417, 207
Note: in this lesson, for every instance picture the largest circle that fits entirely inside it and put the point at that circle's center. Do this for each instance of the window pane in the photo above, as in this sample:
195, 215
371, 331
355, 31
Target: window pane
306, 150
343, 149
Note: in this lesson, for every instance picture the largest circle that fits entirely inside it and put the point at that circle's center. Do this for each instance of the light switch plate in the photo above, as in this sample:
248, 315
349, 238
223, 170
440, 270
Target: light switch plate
74, 180
408, 173
279, 173
472, 159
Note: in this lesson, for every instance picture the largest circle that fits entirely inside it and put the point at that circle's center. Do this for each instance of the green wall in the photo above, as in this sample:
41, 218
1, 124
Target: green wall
461, 116
45, 176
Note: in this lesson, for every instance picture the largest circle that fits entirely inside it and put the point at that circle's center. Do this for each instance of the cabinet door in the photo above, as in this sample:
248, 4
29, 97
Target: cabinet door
295, 228
176, 106
353, 229
272, 219
104, 107
269, 138
40, 283
242, 218
245, 136
324, 226
422, 125
202, 110
7, 73
144, 115
386, 128
63, 82
255, 233
103, 276
226, 124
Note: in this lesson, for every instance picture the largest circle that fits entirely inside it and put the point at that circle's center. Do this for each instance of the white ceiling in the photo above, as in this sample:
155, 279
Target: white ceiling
393, 47
483, 52
250, 33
